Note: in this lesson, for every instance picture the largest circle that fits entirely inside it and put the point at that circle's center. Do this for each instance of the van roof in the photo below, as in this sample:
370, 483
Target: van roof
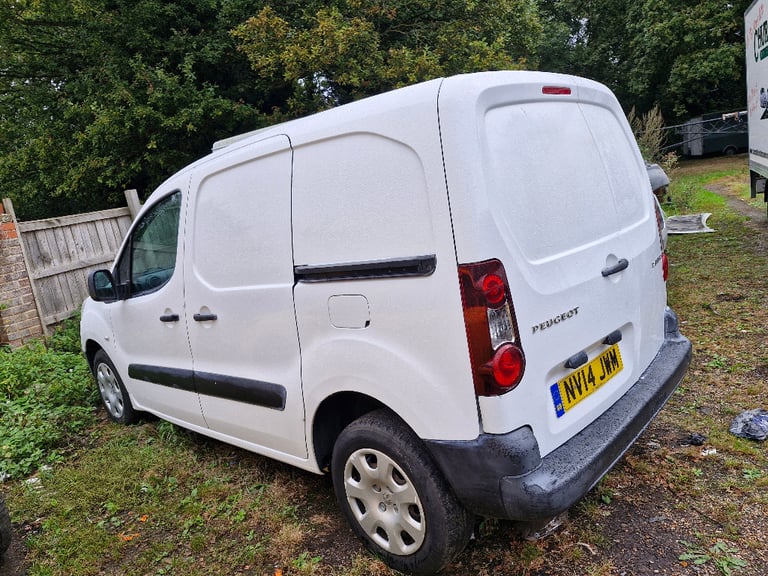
469, 85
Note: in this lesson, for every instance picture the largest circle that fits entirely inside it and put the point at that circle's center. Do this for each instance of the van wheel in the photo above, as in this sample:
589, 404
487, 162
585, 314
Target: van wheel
395, 499
113, 394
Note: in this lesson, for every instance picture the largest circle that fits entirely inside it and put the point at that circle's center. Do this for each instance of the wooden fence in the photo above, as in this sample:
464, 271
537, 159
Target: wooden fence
59, 253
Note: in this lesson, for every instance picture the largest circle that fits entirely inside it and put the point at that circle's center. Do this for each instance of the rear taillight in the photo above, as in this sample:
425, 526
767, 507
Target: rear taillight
660, 227
497, 358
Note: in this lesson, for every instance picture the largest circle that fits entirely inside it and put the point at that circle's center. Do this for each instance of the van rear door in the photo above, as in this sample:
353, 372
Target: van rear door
561, 197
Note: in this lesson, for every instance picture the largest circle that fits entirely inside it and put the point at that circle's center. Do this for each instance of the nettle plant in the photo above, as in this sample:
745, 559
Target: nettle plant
45, 396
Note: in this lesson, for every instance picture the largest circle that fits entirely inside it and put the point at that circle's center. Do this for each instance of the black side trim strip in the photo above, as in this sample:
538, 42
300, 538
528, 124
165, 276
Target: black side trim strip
229, 387
372, 269
241, 390
171, 377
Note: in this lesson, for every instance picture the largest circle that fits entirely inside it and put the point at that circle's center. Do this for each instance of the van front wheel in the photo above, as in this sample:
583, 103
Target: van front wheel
113, 394
393, 496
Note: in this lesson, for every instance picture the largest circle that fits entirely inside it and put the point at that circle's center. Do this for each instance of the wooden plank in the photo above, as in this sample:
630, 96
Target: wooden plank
75, 248
83, 239
60, 316
60, 248
105, 240
100, 260
74, 219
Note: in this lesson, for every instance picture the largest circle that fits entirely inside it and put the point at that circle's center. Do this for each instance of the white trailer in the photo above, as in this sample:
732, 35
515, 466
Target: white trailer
756, 32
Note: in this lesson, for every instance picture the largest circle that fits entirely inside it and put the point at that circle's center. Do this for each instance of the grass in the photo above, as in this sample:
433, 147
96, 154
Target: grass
153, 499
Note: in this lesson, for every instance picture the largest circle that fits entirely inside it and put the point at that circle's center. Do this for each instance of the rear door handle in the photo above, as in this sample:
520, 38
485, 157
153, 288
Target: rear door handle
204, 317
616, 268
169, 318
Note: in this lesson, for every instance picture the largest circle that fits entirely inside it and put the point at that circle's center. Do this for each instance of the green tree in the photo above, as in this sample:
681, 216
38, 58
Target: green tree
587, 38
685, 56
101, 95
325, 53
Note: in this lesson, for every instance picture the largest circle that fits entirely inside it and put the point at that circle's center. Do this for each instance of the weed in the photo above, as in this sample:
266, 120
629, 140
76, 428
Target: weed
719, 362
45, 397
752, 474
683, 197
720, 554
305, 562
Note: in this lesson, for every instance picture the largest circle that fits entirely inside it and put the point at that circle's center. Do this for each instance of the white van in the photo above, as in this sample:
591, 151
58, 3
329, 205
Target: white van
451, 297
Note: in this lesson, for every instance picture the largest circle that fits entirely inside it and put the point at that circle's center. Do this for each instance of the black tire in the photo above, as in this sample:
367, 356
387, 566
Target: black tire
113, 394
5, 527
394, 497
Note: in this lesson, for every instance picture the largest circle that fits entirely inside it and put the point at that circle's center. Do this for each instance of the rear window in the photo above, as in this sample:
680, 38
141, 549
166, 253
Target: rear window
562, 175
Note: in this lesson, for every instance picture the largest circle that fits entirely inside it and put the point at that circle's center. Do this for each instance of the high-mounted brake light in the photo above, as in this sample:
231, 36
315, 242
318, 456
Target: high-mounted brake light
556, 90
497, 359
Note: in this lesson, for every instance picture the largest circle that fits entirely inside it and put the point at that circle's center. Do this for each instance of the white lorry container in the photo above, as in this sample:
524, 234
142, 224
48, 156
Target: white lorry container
450, 296
756, 36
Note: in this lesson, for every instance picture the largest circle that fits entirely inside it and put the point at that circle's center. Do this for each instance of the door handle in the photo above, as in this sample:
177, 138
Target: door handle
204, 317
616, 268
169, 318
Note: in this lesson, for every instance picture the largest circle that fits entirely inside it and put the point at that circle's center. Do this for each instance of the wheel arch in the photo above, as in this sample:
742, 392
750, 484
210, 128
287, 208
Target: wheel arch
334, 414
90, 350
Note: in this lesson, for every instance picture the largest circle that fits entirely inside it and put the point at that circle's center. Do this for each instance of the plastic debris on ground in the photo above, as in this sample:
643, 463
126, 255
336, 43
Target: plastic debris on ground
688, 224
751, 424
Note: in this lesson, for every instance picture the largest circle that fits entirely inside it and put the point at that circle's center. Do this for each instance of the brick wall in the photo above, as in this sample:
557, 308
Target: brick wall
19, 320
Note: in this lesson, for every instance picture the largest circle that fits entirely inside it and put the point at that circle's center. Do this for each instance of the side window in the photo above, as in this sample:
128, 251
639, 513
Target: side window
150, 256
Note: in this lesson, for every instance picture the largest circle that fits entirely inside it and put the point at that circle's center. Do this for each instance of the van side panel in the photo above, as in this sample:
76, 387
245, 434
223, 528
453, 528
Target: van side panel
377, 299
239, 294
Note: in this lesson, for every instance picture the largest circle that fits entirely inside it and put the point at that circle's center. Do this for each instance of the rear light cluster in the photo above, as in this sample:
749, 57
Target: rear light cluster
497, 359
660, 225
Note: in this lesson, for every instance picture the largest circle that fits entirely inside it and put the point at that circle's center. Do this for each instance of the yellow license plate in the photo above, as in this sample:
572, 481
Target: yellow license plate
572, 389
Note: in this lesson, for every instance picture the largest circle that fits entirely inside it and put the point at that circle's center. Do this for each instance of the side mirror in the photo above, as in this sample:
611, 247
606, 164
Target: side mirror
101, 286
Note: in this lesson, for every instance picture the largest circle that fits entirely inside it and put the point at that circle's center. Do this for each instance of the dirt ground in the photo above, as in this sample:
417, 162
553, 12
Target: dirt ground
12, 564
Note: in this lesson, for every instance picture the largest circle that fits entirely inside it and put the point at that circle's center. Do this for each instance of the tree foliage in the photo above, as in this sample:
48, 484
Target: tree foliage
327, 53
97, 96
101, 95
685, 56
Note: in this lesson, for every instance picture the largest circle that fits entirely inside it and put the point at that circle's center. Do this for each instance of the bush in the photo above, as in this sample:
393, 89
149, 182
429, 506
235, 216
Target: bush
46, 396
649, 132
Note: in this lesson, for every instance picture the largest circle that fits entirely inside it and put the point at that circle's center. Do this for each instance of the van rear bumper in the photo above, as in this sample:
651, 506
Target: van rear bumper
503, 476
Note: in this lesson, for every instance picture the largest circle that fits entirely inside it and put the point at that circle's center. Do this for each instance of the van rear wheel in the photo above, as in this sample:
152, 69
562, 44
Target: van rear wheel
395, 499
113, 394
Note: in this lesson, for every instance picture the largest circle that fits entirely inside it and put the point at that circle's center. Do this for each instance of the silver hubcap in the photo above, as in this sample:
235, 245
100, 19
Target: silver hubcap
109, 390
384, 502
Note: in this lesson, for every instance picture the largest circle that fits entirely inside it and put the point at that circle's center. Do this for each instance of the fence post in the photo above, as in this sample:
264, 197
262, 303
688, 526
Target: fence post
20, 317
132, 199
